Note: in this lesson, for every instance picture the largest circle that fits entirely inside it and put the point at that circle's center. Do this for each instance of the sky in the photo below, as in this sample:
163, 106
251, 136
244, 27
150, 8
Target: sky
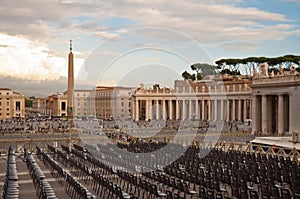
136, 41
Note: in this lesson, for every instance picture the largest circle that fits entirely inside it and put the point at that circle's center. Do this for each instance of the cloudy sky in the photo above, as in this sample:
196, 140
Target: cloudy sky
136, 41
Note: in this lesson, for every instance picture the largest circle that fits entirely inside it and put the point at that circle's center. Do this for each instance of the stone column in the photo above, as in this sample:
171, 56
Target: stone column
264, 115
132, 109
202, 109
254, 113
170, 110
233, 109
157, 109
239, 110
150, 110
197, 108
190, 109
164, 110
137, 110
227, 110
177, 110
280, 116
215, 109
208, 110
250, 108
183, 110
147, 110
245, 110
222, 110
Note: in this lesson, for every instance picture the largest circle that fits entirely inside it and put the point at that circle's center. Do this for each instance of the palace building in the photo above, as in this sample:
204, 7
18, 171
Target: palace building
12, 104
113, 102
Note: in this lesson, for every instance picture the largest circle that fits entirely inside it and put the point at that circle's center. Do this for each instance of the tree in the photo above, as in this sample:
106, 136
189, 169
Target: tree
204, 69
28, 102
187, 76
251, 63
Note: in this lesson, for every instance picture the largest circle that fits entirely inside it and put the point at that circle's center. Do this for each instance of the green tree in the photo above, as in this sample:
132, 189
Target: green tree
204, 69
188, 76
28, 103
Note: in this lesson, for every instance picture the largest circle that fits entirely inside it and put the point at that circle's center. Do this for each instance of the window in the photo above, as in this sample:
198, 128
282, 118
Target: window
18, 105
63, 106
122, 104
7, 103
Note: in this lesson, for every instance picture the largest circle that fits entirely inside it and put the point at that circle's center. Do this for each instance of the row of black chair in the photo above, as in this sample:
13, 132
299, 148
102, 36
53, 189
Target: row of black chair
72, 187
11, 186
43, 188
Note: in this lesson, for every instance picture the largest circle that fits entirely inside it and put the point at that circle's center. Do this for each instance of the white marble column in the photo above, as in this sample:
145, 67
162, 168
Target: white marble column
132, 110
190, 116
177, 110
245, 110
147, 110
222, 110
208, 110
264, 114
202, 109
215, 109
157, 109
233, 110
254, 113
150, 110
280, 116
250, 109
197, 108
137, 110
227, 110
164, 110
239, 110
183, 110
170, 110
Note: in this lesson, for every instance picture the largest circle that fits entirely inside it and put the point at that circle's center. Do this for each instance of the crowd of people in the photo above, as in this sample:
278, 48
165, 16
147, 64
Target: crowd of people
32, 125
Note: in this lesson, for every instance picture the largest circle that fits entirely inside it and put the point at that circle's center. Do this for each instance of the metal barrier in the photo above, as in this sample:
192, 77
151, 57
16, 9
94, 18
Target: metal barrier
292, 153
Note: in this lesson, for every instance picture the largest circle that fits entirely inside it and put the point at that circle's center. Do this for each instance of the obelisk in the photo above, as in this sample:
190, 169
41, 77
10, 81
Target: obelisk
70, 87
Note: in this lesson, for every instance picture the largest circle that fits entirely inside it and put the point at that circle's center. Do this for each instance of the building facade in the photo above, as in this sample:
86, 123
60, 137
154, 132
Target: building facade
57, 105
113, 102
39, 105
213, 99
270, 102
12, 104
84, 103
276, 105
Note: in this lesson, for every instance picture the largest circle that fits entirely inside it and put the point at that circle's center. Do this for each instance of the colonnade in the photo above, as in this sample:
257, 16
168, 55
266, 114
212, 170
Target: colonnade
271, 113
225, 109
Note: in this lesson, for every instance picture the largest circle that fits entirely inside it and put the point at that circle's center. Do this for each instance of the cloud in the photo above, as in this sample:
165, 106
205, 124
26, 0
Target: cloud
23, 58
205, 21
39, 88
295, 1
33, 31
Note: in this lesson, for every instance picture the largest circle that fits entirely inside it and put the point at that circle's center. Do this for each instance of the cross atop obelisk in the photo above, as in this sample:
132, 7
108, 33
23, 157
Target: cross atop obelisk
71, 45
70, 91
